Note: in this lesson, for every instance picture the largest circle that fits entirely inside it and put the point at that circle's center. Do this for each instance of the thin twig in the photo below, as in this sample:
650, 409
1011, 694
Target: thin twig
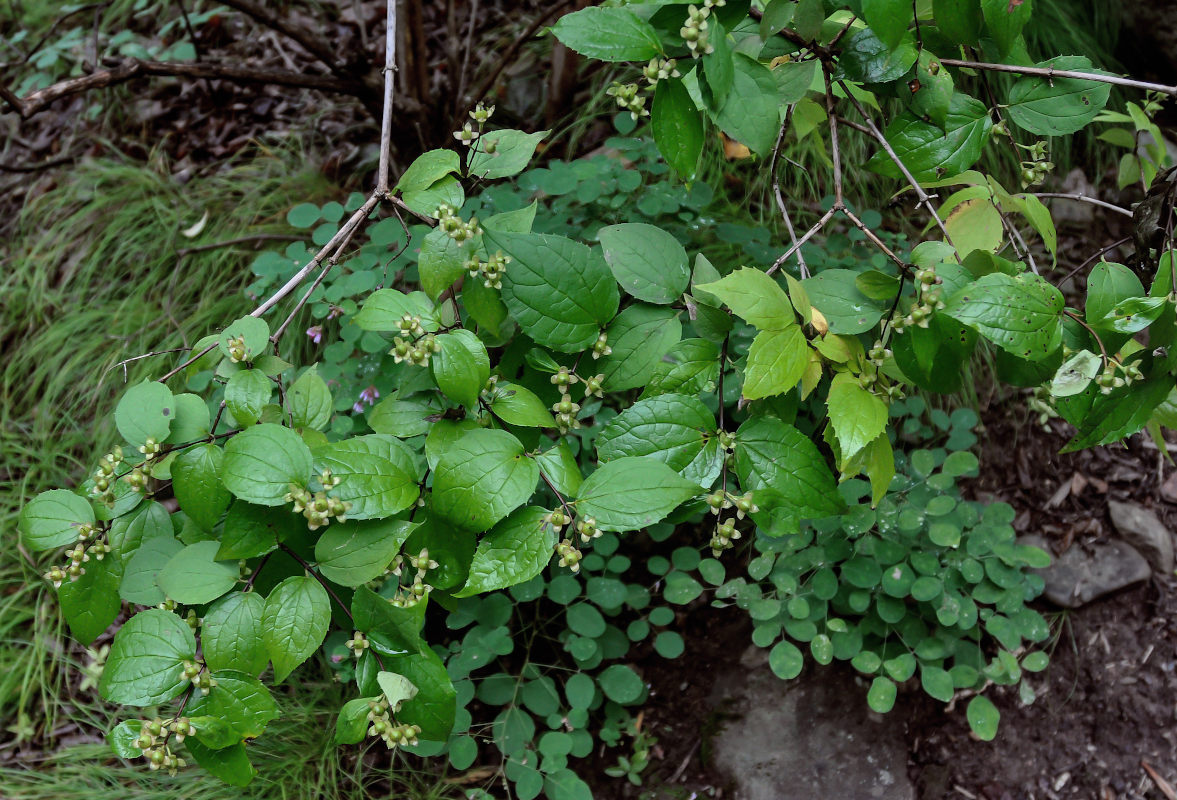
1079, 197
925, 199
129, 69
190, 29
875, 240
1100, 252
307, 39
1017, 235
802, 267
835, 151
389, 85
809, 234
1051, 72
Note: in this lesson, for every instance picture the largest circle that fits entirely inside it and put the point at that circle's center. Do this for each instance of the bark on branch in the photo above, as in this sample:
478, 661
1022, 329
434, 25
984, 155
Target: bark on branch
133, 68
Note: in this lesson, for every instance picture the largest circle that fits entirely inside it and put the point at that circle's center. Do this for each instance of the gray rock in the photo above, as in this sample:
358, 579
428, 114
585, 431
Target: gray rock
1077, 577
813, 737
1140, 528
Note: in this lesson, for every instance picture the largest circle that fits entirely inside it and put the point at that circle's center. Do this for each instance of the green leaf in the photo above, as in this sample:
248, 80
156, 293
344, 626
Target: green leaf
518, 221
1134, 314
263, 461
294, 622
230, 764
144, 667
146, 522
518, 405
512, 153
834, 292
1022, 314
1005, 20
145, 411
559, 464
91, 602
689, 368
937, 683
718, 71
1107, 285
353, 553
197, 485
858, 416
192, 419
401, 418
784, 469
253, 330
309, 401
396, 688
139, 575
461, 367
889, 19
755, 297
751, 112
776, 361
959, 20
397, 629
983, 716
1115, 416
639, 337
252, 530
231, 636
351, 726
122, 739
194, 577
677, 430
447, 190
435, 703
632, 492
785, 660
514, 551
240, 700
383, 309
1075, 374
51, 519
481, 478
442, 261
246, 393
1057, 106
881, 695
932, 151
608, 34
647, 261
677, 126
559, 291
621, 684
868, 59
427, 169
777, 16
975, 224
485, 306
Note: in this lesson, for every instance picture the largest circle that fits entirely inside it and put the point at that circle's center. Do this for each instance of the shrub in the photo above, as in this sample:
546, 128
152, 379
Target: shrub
541, 399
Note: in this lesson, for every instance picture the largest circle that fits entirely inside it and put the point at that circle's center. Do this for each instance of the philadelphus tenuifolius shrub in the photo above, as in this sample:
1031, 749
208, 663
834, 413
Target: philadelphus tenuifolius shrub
551, 394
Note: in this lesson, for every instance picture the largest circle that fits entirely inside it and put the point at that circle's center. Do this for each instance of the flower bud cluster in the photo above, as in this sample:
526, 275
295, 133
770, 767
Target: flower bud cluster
382, 725
629, 98
1108, 380
721, 500
198, 676
1037, 166
694, 31
601, 346
104, 476
724, 536
659, 69
416, 353
569, 555
153, 741
238, 352
411, 594
490, 271
457, 229
319, 508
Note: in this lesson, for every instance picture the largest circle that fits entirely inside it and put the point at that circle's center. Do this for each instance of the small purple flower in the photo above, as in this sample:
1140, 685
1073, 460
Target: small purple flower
370, 395
316, 333
358, 408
